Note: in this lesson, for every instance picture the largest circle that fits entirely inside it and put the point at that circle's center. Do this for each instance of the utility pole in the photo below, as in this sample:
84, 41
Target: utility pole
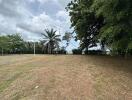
34, 49
2, 51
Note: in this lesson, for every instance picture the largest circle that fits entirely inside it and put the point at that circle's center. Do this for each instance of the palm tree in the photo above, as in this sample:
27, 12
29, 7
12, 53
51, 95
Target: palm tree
51, 40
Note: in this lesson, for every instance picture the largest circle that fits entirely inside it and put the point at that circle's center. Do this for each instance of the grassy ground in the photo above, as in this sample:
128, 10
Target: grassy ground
57, 77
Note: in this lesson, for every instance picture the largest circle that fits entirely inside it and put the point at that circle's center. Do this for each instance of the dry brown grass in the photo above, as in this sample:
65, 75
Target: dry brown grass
57, 77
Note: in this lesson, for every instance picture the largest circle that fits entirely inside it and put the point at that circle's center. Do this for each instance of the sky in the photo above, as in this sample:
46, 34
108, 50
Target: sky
31, 17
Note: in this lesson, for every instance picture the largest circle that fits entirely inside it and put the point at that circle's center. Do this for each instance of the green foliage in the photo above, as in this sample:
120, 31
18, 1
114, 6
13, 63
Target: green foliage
94, 52
29, 48
61, 51
4, 42
86, 24
50, 41
77, 51
107, 21
117, 31
14, 44
11, 43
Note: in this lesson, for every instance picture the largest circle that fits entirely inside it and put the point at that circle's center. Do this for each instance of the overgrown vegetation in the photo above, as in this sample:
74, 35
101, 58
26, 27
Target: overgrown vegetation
15, 44
77, 51
100, 21
94, 52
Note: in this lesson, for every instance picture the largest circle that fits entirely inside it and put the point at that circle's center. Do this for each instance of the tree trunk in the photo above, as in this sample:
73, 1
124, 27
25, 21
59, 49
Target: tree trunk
48, 48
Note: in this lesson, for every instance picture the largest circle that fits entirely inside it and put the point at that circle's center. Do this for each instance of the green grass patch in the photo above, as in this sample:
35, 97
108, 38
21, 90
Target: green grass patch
5, 84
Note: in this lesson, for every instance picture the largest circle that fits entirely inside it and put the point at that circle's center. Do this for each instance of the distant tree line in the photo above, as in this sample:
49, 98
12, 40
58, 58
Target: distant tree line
15, 44
104, 22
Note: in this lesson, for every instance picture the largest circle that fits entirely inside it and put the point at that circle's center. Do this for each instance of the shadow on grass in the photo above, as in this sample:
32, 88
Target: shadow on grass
116, 63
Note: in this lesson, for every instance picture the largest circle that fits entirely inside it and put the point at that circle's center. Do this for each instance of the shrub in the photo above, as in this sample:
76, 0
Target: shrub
77, 51
94, 52
62, 52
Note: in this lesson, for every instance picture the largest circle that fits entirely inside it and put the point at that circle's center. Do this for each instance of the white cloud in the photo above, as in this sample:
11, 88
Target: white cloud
64, 2
13, 9
43, 21
15, 16
37, 24
62, 14
43, 1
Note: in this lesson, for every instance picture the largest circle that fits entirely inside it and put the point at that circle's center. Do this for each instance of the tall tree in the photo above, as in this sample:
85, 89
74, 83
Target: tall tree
110, 22
11, 43
16, 42
117, 32
4, 45
50, 40
85, 23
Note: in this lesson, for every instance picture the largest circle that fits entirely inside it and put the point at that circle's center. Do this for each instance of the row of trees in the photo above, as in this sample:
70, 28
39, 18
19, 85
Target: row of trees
108, 23
14, 44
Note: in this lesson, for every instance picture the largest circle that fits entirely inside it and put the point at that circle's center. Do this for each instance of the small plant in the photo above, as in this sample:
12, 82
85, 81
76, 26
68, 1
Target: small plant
77, 51
94, 52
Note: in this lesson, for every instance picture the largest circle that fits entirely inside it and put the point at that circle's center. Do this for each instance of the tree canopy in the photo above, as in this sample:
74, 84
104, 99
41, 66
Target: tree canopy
15, 44
109, 22
50, 40
86, 24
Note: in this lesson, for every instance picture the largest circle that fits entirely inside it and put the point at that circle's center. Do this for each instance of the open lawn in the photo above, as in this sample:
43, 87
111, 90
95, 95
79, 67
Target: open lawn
65, 77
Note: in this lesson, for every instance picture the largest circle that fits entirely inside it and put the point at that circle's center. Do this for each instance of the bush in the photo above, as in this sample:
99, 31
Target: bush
62, 52
94, 52
77, 51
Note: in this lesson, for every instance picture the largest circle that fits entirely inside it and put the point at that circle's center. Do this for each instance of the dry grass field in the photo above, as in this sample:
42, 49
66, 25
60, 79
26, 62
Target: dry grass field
65, 77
